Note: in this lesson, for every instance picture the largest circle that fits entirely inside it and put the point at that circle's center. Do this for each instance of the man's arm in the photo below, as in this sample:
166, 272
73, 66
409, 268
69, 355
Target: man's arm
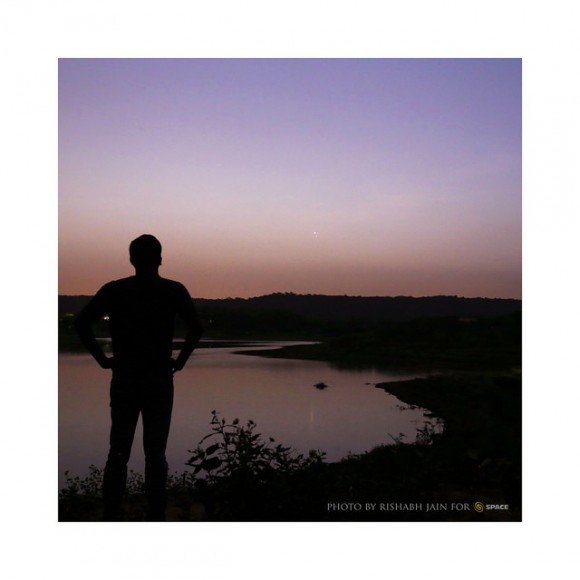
90, 314
194, 332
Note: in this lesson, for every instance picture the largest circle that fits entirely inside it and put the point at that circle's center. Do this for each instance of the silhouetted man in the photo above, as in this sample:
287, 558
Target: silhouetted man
141, 311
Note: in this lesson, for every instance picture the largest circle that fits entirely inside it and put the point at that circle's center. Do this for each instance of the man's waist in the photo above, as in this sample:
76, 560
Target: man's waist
142, 362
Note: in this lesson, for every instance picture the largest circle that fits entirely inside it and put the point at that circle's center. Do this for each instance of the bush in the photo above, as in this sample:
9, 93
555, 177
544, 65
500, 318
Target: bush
241, 476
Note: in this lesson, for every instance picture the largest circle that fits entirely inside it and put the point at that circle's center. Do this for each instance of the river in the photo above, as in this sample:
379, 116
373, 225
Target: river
350, 415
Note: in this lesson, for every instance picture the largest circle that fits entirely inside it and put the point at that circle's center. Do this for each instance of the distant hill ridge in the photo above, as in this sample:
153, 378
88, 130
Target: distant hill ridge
341, 308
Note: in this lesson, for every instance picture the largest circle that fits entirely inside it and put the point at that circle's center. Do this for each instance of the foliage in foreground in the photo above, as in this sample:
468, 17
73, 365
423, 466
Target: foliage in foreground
242, 476
80, 499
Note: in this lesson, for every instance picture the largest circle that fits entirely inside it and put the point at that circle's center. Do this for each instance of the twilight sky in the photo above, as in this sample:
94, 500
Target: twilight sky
361, 177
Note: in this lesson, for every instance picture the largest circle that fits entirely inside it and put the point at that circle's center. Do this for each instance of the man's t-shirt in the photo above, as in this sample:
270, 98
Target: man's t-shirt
141, 319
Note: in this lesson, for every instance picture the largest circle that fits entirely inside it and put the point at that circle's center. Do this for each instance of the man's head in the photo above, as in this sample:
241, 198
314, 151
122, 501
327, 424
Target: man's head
145, 252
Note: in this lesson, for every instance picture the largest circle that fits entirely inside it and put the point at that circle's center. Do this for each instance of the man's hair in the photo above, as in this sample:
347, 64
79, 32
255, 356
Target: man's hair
145, 251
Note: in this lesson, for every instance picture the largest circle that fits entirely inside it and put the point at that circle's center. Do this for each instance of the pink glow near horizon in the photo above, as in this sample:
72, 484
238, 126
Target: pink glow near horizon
362, 177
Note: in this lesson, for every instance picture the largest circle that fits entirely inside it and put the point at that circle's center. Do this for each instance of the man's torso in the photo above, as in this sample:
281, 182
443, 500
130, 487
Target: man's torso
141, 319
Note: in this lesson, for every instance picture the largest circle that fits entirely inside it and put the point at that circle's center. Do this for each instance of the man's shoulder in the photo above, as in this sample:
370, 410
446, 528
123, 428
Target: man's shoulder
170, 282
116, 284
173, 285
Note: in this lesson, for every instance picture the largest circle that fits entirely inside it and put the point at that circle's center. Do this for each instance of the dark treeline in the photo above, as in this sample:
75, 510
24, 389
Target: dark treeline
287, 315
340, 308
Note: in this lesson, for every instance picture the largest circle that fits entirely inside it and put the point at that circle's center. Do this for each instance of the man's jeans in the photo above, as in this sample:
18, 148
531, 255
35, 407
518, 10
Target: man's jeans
152, 397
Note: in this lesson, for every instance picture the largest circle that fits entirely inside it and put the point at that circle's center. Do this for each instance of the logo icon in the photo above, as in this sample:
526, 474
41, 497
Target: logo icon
478, 507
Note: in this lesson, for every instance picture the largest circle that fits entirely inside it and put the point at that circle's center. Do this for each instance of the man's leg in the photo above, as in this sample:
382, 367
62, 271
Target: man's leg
124, 416
156, 411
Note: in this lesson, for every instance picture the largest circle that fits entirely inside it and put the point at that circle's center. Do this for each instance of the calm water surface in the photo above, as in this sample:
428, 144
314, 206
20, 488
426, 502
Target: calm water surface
350, 416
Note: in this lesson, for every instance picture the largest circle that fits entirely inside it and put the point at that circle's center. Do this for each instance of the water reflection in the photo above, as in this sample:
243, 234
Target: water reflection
349, 415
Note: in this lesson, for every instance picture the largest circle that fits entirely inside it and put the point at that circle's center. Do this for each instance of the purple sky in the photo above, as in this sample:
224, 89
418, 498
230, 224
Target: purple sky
362, 177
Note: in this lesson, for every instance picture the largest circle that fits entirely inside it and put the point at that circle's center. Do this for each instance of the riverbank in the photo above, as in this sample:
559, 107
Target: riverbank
426, 344
476, 392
